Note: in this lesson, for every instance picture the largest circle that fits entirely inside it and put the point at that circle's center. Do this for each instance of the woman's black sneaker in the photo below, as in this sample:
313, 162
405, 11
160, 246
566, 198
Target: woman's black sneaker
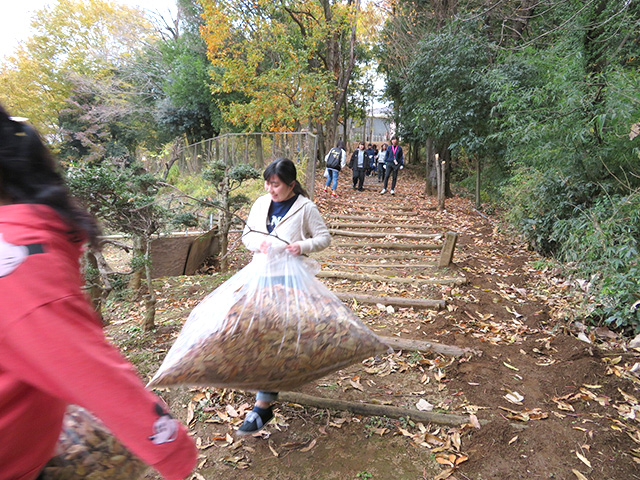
256, 420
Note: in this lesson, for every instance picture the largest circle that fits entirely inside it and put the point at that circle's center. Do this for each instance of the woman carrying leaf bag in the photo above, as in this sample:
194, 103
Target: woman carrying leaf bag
53, 351
284, 213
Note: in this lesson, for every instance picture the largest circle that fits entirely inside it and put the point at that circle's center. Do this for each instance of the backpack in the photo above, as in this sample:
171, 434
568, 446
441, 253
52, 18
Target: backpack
334, 160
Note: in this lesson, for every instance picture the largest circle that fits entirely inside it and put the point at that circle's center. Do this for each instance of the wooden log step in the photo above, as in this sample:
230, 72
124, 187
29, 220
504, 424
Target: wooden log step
416, 236
328, 255
395, 301
371, 409
365, 277
365, 217
407, 226
399, 213
381, 265
388, 246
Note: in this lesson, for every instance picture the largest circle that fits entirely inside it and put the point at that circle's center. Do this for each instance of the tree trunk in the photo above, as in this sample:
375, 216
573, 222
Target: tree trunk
446, 154
150, 297
341, 65
321, 142
259, 153
431, 181
224, 224
135, 282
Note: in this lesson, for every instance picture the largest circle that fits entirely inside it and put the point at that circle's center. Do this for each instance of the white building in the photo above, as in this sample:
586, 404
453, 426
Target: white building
378, 127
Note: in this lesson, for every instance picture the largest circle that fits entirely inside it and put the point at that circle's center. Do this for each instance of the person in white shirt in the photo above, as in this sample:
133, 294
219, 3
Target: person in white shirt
285, 212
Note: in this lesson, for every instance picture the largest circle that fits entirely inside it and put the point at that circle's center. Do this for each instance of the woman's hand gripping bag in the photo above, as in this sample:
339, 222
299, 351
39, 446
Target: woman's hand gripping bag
272, 326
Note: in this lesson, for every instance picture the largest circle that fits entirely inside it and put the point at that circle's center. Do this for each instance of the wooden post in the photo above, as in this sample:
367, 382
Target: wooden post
446, 254
441, 168
478, 170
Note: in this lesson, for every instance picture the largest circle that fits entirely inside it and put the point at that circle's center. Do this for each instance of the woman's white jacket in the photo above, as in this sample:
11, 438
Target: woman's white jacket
302, 223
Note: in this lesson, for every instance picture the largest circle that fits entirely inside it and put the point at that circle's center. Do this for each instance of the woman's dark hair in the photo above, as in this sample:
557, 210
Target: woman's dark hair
340, 144
286, 171
29, 174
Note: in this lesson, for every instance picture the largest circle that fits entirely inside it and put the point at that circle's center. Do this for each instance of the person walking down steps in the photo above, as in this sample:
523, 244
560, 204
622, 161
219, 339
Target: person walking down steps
336, 160
381, 155
359, 163
394, 162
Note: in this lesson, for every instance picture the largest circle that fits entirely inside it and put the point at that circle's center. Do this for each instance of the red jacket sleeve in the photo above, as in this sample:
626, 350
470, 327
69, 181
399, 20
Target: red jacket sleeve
60, 349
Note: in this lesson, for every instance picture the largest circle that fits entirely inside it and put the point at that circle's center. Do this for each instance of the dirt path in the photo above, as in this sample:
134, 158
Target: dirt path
555, 406
550, 405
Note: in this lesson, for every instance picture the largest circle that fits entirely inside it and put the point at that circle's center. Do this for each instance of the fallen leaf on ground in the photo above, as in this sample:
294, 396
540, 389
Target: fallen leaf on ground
526, 414
445, 474
578, 474
583, 459
310, 446
511, 366
273, 450
473, 420
424, 406
514, 397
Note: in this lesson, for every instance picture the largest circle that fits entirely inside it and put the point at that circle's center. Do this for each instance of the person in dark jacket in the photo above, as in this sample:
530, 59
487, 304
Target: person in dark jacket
371, 165
336, 160
394, 162
359, 163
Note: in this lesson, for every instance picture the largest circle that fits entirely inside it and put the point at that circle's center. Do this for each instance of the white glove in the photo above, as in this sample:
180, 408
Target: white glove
401, 167
11, 256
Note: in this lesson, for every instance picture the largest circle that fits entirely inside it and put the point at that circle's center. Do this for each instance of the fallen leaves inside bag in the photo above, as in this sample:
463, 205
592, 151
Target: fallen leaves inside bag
89, 452
273, 326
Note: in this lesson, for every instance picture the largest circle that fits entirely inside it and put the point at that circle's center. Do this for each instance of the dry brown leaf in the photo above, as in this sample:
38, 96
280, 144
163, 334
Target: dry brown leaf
310, 446
514, 397
445, 459
190, 413
473, 420
508, 365
583, 459
578, 474
356, 384
273, 450
564, 405
445, 474
424, 406
232, 412
433, 440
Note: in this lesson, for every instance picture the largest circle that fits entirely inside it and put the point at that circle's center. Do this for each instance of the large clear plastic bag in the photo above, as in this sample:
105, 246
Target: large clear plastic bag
272, 326
88, 451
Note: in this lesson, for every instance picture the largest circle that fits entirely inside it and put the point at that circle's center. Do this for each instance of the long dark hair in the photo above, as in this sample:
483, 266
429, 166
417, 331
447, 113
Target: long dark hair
286, 171
29, 174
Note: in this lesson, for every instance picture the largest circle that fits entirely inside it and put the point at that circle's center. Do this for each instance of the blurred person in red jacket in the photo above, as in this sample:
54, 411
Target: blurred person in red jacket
53, 351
